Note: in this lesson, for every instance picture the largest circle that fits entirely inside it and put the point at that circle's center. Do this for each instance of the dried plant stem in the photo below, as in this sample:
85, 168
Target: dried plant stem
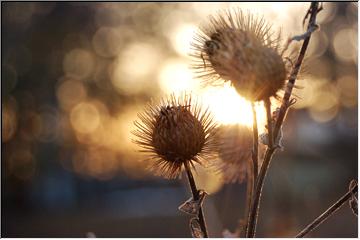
314, 8
195, 194
323, 217
255, 204
252, 174
249, 192
256, 142
269, 123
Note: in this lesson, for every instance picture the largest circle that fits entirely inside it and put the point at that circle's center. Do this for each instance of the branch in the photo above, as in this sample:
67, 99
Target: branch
329, 212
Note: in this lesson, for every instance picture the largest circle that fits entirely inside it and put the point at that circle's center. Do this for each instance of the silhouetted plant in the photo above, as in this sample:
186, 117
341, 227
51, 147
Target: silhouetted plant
241, 49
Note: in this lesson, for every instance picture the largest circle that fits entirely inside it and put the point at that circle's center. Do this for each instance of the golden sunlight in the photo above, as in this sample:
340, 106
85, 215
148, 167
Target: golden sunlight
182, 37
221, 102
175, 76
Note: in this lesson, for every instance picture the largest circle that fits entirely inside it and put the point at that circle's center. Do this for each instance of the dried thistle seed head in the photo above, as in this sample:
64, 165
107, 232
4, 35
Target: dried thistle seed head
175, 132
235, 149
239, 48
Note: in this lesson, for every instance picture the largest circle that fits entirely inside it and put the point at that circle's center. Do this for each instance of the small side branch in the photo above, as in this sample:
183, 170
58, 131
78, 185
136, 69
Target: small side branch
330, 211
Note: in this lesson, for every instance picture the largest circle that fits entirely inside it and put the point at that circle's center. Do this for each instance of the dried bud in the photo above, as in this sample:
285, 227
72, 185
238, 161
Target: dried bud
235, 149
240, 49
174, 132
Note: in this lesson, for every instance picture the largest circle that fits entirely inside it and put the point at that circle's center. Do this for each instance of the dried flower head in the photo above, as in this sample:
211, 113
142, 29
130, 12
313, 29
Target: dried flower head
241, 49
235, 149
175, 132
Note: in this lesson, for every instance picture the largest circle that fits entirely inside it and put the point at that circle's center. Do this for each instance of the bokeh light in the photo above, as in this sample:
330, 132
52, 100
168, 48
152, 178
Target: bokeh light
107, 42
79, 63
131, 70
345, 44
85, 117
70, 92
132, 53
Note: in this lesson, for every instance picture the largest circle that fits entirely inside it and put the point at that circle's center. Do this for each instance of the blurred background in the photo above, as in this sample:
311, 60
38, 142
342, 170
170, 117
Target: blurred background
74, 76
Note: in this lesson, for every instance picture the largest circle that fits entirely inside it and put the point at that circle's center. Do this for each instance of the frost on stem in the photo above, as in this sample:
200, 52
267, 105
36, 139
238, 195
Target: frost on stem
174, 132
264, 137
240, 48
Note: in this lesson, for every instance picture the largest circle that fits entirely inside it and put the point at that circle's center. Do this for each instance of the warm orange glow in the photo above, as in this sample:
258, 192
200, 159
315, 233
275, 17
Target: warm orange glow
175, 76
130, 72
85, 117
345, 44
130, 53
70, 93
230, 108
207, 180
106, 41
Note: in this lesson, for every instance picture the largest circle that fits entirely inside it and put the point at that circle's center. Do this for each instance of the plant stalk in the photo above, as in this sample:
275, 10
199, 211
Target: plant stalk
252, 179
195, 194
314, 8
329, 212
255, 143
249, 192
252, 221
255, 204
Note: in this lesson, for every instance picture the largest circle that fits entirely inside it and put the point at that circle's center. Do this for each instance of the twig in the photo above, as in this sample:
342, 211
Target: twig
323, 217
195, 194
284, 106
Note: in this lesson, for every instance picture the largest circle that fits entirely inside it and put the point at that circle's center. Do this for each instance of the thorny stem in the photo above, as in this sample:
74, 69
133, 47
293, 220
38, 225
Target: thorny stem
323, 217
314, 9
195, 194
